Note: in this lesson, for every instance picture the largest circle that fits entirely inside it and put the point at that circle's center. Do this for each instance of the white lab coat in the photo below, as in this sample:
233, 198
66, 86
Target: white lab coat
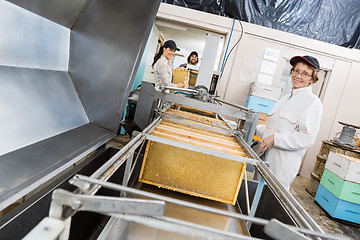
295, 122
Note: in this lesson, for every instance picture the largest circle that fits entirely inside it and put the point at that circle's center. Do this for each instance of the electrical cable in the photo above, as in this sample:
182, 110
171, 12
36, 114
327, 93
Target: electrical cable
185, 93
227, 57
227, 46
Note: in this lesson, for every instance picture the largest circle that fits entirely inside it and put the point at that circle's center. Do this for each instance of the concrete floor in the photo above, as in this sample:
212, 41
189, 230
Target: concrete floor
329, 225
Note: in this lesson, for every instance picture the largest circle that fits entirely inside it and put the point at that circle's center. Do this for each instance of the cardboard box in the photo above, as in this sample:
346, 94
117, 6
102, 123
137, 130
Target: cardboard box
193, 77
262, 118
181, 76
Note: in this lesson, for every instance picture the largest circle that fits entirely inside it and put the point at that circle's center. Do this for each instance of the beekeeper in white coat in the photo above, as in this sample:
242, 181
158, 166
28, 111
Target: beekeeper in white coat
293, 123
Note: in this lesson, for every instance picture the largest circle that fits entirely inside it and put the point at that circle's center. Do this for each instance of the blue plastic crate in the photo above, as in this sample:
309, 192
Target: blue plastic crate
337, 208
259, 104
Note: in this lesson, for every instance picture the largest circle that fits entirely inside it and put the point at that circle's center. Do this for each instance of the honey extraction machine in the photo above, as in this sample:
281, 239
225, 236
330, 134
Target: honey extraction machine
67, 68
180, 178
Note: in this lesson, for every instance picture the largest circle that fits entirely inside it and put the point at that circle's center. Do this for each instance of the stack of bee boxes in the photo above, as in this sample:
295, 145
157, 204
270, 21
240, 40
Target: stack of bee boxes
339, 189
262, 98
190, 172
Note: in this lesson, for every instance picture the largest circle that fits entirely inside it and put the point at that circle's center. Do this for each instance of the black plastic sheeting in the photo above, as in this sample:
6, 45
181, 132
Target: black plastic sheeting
332, 21
209, 6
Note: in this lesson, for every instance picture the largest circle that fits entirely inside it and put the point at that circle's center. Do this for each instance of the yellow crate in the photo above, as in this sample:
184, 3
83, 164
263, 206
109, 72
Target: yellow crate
190, 172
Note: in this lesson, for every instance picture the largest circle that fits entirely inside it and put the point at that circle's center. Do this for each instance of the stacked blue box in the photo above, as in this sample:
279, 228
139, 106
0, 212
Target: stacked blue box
339, 190
262, 97
259, 104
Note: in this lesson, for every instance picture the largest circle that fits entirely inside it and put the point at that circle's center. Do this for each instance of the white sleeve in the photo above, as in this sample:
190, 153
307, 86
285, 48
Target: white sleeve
260, 130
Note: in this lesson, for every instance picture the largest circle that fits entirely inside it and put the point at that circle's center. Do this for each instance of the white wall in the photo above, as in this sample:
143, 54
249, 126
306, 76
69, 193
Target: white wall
340, 96
154, 36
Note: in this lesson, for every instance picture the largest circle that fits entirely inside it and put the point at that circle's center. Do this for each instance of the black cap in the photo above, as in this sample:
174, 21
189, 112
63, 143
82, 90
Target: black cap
194, 53
307, 59
171, 44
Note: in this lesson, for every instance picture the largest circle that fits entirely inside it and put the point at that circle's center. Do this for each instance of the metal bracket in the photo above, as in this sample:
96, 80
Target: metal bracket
106, 205
256, 201
280, 231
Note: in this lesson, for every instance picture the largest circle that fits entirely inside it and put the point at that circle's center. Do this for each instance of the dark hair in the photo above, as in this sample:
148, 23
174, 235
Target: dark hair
314, 76
158, 55
193, 53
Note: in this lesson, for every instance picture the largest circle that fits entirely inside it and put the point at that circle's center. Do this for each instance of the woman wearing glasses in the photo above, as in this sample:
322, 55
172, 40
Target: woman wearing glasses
293, 123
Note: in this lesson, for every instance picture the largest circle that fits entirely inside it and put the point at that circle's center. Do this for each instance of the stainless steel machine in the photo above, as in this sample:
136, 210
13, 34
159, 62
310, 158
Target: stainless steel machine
140, 211
67, 68
66, 72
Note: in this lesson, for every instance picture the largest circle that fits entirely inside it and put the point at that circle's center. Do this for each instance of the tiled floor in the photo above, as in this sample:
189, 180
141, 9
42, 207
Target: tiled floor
298, 190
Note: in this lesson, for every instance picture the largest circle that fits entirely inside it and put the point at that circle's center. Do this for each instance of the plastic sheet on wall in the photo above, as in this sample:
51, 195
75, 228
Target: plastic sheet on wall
332, 21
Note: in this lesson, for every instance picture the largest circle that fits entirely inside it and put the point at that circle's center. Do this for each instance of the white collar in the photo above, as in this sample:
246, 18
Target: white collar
302, 90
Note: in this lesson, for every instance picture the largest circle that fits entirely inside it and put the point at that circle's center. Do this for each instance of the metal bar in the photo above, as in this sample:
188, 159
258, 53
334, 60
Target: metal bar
204, 105
181, 89
247, 194
136, 159
134, 141
234, 105
199, 124
254, 220
117, 187
127, 172
116, 165
247, 149
200, 149
106, 204
227, 124
216, 125
255, 201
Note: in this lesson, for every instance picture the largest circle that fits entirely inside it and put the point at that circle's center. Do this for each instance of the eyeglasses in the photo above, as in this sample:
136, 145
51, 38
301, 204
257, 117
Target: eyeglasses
302, 74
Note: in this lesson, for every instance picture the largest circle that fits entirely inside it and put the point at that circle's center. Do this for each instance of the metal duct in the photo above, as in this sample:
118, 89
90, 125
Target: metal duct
64, 12
56, 109
106, 46
38, 99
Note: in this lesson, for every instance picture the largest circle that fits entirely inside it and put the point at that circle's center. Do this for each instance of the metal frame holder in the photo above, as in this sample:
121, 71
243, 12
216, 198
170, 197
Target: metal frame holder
247, 117
150, 213
66, 204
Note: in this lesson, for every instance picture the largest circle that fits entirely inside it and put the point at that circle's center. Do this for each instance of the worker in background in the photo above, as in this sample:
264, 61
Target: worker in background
192, 59
294, 122
161, 65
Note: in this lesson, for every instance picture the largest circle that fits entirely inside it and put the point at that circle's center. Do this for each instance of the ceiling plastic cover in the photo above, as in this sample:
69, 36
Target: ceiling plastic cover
332, 21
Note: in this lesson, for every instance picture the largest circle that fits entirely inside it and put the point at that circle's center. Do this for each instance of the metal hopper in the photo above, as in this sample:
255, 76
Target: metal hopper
66, 69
